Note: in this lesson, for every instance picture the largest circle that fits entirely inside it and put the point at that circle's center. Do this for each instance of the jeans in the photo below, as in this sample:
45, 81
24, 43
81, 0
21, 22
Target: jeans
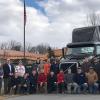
93, 88
60, 87
51, 88
7, 85
81, 88
25, 90
0, 85
70, 86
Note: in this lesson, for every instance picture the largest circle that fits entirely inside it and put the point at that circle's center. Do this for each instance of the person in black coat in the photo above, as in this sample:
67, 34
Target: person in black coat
33, 82
15, 84
54, 67
51, 82
9, 71
81, 81
25, 86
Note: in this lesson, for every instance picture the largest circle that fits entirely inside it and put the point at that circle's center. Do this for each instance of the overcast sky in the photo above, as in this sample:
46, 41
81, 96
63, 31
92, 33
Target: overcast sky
48, 21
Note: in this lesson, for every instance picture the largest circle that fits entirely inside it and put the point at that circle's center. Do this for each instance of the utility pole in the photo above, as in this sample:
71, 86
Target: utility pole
24, 29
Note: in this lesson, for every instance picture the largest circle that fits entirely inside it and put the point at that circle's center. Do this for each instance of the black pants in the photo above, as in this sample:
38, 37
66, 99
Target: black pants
51, 88
60, 87
33, 89
0, 85
25, 90
7, 84
16, 89
42, 89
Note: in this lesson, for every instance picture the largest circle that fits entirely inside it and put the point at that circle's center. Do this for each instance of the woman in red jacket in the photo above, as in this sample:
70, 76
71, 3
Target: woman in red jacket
42, 79
60, 81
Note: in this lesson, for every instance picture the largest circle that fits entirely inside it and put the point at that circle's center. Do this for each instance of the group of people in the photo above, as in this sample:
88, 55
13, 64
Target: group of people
46, 77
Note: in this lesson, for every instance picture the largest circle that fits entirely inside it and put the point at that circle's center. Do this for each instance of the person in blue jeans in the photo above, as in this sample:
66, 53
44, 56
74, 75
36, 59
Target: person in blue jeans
92, 79
81, 82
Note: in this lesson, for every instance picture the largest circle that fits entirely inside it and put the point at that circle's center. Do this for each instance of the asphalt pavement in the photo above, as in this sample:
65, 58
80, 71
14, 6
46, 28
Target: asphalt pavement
56, 97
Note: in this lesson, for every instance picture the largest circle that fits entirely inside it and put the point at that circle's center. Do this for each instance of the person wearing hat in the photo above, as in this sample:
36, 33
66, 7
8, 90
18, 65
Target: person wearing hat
92, 79
9, 72
80, 80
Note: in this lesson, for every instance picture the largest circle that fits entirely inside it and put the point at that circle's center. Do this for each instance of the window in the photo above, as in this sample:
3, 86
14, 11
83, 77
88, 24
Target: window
98, 49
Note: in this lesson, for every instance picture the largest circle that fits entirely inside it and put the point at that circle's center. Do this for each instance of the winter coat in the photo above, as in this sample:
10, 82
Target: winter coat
55, 68
42, 78
20, 70
80, 78
15, 82
68, 78
92, 77
60, 78
26, 82
6, 70
51, 80
46, 68
33, 80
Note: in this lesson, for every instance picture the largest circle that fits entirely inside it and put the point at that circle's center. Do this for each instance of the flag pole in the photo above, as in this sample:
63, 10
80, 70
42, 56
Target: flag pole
24, 29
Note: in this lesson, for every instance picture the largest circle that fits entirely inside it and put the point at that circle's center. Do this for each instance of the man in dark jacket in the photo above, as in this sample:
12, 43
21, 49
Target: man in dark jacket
80, 80
9, 71
15, 84
33, 82
51, 82
54, 67
25, 86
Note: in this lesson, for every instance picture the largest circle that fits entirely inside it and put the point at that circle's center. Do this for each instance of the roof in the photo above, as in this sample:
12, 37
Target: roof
58, 52
12, 54
86, 34
83, 44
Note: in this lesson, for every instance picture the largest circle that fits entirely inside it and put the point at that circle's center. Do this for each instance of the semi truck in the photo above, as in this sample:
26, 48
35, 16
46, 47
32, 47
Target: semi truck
84, 51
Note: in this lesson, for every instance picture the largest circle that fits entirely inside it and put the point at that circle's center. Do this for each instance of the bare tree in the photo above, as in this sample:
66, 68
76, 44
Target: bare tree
11, 45
28, 47
14, 45
93, 19
41, 48
3, 45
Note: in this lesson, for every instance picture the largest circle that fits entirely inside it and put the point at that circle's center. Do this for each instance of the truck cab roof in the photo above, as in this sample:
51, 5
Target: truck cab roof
82, 44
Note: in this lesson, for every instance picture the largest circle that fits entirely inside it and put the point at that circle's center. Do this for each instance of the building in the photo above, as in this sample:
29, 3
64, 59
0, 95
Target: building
17, 55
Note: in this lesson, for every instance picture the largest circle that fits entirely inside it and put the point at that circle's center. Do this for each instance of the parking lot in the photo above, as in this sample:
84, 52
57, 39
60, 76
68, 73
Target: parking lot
57, 97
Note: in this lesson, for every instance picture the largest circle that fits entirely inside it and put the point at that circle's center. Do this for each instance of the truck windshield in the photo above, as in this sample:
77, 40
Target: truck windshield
80, 50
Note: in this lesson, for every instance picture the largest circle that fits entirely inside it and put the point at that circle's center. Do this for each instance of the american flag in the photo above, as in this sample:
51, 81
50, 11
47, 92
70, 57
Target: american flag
24, 13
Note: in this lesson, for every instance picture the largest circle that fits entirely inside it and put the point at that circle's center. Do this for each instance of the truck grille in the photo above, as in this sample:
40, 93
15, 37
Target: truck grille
73, 65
